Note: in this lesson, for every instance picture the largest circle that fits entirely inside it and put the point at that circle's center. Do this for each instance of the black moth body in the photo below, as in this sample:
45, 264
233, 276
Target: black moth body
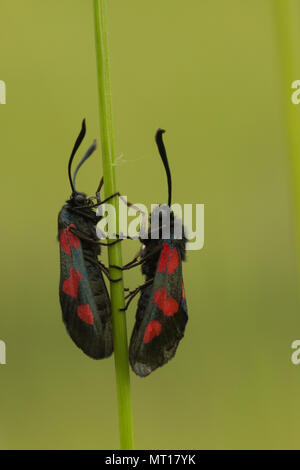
161, 314
84, 299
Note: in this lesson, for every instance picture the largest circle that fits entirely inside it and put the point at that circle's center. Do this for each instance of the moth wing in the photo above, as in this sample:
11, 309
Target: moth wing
84, 300
160, 322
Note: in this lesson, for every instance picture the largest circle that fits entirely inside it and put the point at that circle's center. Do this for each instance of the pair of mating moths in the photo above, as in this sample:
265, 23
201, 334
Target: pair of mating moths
86, 309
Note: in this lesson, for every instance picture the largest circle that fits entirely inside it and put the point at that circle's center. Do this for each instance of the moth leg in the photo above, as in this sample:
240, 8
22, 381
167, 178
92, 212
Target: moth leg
82, 236
110, 243
128, 303
133, 293
134, 262
99, 202
125, 238
103, 268
108, 276
130, 265
91, 240
137, 289
128, 204
106, 272
98, 242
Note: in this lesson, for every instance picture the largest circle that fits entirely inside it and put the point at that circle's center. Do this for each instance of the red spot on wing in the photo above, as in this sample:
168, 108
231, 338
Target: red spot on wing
85, 314
64, 242
68, 239
160, 297
167, 305
183, 293
169, 259
170, 307
153, 329
164, 256
173, 261
70, 285
73, 239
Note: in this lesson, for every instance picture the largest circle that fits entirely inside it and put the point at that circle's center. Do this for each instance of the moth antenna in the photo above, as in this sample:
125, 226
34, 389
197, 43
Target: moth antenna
99, 189
89, 152
100, 185
163, 154
75, 148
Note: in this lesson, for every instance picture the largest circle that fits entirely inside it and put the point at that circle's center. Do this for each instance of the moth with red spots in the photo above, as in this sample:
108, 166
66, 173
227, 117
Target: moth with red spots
162, 311
85, 303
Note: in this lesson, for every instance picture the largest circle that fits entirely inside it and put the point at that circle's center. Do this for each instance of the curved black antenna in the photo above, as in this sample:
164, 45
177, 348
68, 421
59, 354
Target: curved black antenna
100, 185
89, 152
75, 148
98, 190
163, 154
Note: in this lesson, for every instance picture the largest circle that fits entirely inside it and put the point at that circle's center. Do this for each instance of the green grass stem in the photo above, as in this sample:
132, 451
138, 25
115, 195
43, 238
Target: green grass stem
114, 251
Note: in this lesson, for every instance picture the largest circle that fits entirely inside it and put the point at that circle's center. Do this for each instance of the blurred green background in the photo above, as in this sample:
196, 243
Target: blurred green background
210, 73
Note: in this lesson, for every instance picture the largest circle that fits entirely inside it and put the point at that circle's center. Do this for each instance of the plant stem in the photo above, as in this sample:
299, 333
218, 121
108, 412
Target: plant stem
114, 251
287, 25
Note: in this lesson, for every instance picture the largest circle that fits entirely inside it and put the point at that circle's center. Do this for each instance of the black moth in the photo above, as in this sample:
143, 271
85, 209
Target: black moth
85, 303
161, 314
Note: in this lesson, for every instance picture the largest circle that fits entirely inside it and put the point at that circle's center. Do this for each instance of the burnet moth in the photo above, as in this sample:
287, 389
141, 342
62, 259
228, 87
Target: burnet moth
161, 314
85, 303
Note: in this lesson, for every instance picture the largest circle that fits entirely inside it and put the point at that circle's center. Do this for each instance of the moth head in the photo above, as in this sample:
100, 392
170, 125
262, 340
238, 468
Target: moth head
79, 199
